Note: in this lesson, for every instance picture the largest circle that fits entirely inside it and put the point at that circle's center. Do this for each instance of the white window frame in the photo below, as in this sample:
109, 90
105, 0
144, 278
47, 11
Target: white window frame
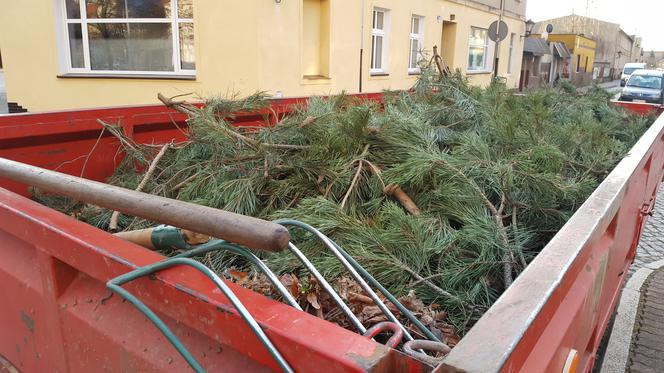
511, 55
174, 20
485, 67
419, 37
384, 33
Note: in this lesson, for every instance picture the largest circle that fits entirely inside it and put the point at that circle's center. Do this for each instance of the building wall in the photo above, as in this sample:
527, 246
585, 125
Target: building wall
246, 46
466, 17
514, 8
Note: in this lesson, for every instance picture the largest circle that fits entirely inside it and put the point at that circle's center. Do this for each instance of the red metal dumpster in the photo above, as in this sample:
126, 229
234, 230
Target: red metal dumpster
59, 316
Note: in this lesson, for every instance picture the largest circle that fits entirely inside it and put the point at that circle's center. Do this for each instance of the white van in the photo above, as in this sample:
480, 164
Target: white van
629, 69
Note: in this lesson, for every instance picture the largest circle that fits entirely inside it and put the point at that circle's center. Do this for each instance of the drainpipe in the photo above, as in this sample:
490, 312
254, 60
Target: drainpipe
361, 43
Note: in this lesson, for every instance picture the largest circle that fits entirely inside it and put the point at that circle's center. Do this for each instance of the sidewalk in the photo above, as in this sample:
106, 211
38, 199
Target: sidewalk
611, 84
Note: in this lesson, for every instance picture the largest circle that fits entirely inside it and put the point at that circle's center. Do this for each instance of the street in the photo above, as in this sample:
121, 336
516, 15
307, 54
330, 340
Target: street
612, 86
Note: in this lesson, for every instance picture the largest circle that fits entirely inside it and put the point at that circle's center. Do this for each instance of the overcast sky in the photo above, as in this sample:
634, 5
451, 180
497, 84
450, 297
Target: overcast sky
642, 17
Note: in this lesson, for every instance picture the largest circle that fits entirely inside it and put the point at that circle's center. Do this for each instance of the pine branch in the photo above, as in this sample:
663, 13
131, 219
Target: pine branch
113, 225
352, 184
497, 216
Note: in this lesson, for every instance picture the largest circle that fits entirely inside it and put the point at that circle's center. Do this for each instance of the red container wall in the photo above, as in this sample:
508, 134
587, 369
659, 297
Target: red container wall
54, 269
61, 316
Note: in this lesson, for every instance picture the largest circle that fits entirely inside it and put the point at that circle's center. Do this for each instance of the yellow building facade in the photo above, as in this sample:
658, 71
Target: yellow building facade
582, 48
66, 54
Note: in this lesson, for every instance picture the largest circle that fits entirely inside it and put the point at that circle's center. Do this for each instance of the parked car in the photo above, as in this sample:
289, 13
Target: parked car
629, 69
644, 86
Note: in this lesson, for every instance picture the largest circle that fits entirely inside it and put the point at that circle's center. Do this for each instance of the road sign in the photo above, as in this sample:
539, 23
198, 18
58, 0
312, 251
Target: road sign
498, 31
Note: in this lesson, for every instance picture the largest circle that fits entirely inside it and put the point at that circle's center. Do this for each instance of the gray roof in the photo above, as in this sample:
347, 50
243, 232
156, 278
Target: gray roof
536, 46
560, 49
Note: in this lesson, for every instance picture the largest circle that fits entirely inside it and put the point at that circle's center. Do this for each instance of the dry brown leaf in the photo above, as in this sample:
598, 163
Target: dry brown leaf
412, 302
426, 320
291, 282
321, 304
313, 300
355, 297
237, 275
370, 312
295, 287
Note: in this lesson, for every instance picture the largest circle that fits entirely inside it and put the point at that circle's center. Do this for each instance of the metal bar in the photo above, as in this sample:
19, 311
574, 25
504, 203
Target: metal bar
385, 326
350, 268
419, 344
222, 245
172, 338
330, 290
116, 283
244, 230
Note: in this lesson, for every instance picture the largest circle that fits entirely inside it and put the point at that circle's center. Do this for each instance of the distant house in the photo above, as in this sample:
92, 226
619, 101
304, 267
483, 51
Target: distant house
582, 51
544, 63
654, 59
532, 75
614, 47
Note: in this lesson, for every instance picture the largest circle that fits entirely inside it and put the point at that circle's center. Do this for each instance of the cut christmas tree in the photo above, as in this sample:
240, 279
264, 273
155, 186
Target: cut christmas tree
444, 193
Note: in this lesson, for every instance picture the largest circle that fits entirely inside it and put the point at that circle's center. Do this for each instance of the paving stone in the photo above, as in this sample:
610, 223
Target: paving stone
646, 352
637, 367
652, 302
653, 308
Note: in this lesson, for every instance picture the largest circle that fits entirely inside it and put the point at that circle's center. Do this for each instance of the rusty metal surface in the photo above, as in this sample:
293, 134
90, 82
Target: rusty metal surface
244, 230
565, 297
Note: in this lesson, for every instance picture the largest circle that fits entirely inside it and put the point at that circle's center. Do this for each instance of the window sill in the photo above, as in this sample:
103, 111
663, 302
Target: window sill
478, 72
315, 80
379, 74
126, 76
315, 77
414, 73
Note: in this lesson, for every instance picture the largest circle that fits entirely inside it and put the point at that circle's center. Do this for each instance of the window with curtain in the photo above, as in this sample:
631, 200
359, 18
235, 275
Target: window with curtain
416, 43
379, 41
130, 36
477, 49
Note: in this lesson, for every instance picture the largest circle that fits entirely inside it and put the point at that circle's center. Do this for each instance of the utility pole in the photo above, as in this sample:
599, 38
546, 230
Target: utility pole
497, 43
361, 44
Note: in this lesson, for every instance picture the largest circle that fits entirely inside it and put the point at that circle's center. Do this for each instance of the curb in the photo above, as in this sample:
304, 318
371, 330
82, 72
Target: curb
618, 348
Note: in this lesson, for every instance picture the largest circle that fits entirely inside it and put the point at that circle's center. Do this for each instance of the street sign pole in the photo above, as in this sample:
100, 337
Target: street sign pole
499, 30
